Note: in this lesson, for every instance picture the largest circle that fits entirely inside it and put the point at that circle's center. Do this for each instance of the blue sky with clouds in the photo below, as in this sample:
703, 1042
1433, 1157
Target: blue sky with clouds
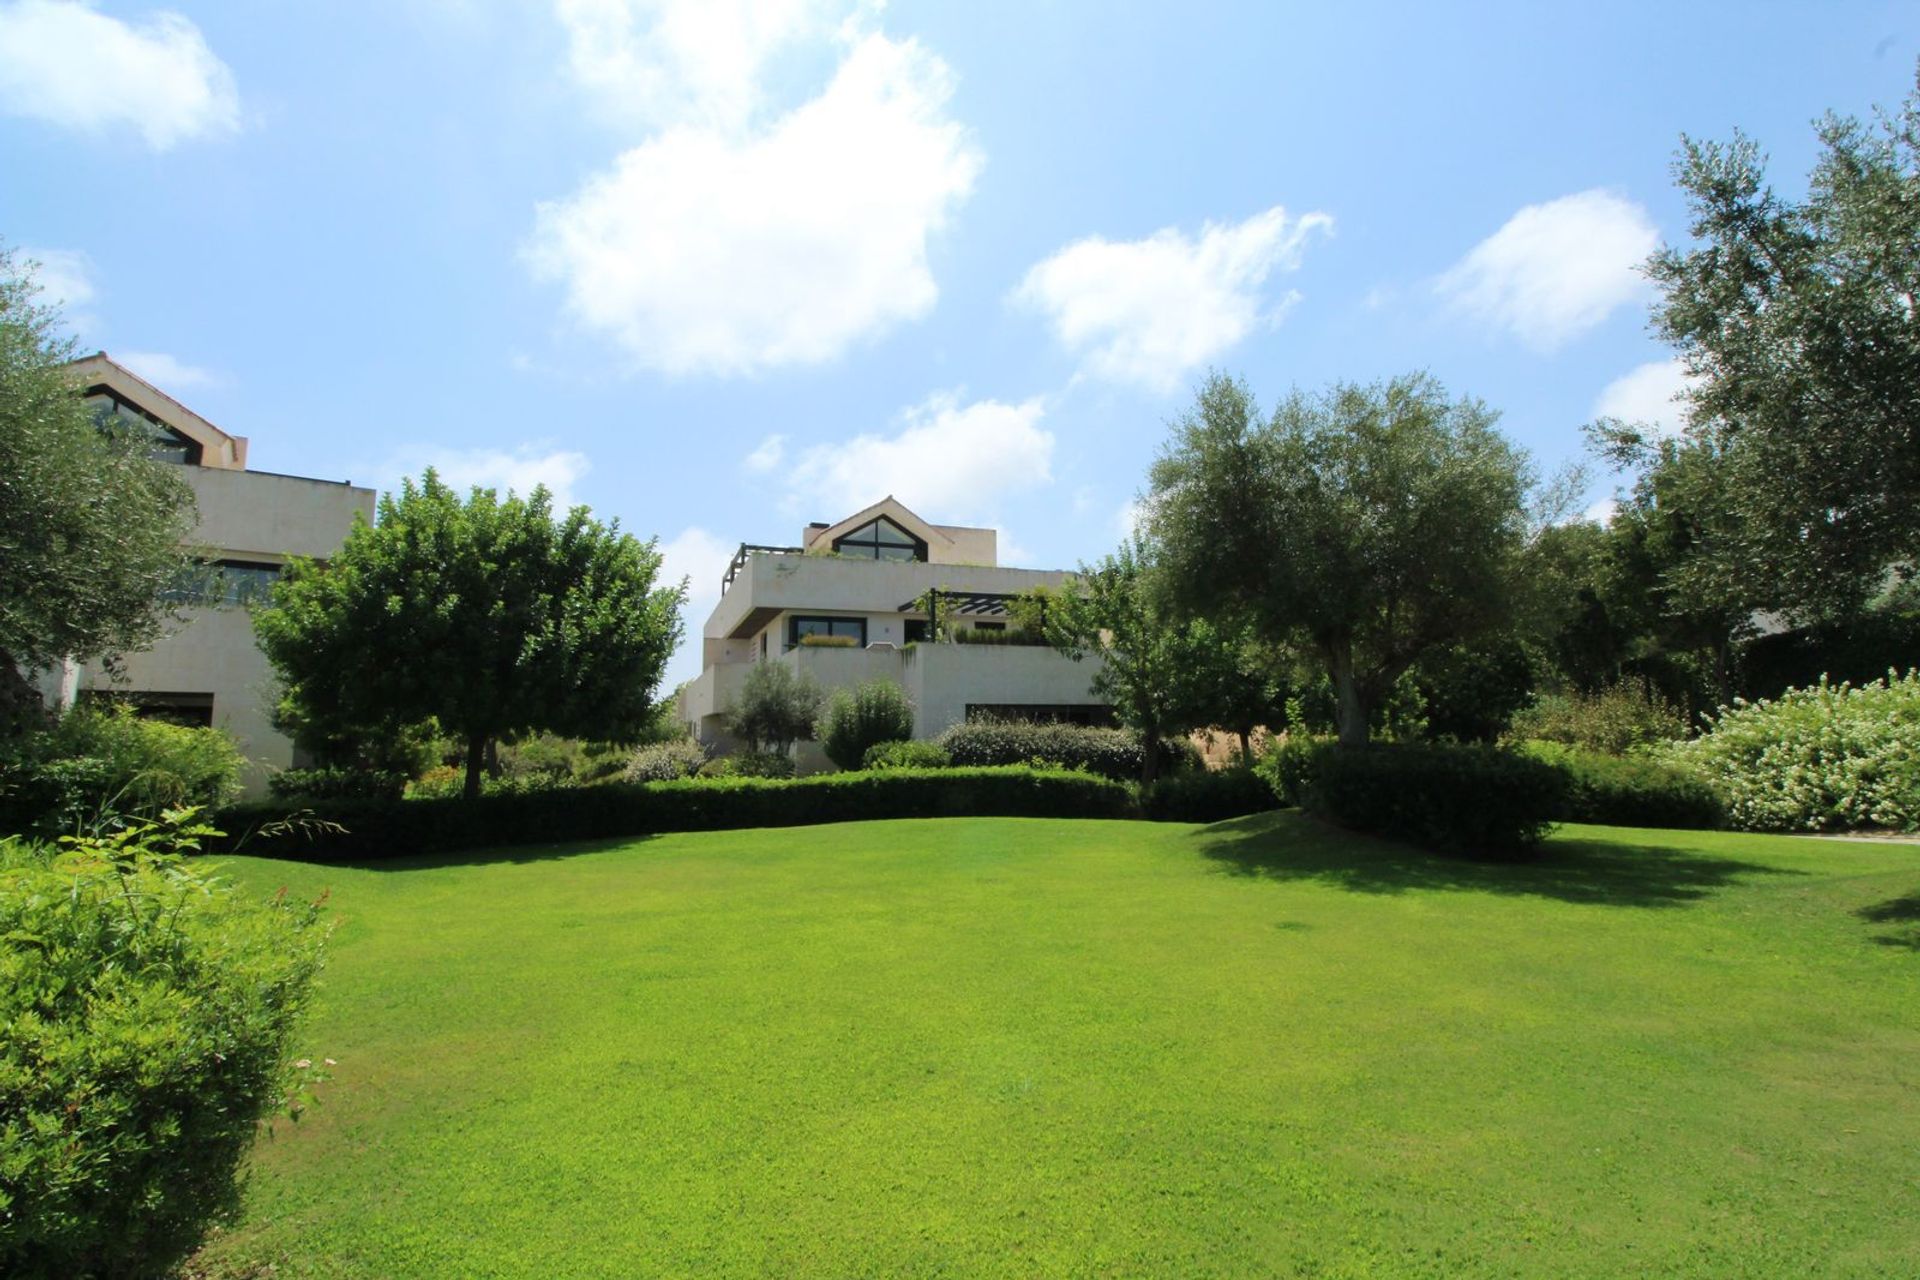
718, 268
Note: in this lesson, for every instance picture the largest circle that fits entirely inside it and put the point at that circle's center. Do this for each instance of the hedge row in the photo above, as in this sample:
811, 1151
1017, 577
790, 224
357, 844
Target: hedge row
1630, 791
1112, 753
362, 829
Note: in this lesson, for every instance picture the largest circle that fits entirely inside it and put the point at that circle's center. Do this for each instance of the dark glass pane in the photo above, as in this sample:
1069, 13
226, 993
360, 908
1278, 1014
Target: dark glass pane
894, 553
890, 532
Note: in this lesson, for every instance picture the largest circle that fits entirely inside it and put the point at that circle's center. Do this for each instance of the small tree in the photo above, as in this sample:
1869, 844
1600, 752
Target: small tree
486, 614
863, 717
1367, 524
777, 708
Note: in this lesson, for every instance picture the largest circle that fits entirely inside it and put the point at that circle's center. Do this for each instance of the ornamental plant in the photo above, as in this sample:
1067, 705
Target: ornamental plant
860, 718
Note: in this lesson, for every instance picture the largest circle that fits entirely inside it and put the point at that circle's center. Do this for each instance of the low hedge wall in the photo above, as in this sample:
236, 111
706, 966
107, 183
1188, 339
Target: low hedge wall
402, 828
1466, 800
1630, 791
1207, 795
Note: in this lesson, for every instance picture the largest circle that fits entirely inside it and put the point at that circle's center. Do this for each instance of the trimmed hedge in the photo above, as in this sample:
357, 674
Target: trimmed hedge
1630, 791
1455, 799
906, 754
1207, 795
404, 828
1111, 753
334, 783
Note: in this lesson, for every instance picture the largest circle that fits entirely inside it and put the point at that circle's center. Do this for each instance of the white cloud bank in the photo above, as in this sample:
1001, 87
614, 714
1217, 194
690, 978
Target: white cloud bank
169, 373
66, 63
700, 557
1555, 270
724, 245
1652, 395
516, 470
1150, 311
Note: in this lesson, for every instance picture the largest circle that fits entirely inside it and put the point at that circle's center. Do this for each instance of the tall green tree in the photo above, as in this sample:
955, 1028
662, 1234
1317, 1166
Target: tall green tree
487, 614
90, 527
1798, 320
1365, 525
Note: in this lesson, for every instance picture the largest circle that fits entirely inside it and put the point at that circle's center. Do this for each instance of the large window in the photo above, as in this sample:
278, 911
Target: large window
881, 539
165, 444
799, 627
223, 582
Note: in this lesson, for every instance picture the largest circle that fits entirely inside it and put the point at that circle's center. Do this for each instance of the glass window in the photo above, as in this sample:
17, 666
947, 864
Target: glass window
881, 540
223, 582
799, 627
164, 444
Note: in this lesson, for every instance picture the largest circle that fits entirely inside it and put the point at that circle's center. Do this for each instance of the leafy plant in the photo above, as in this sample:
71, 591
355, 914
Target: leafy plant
1111, 753
862, 717
1612, 721
1630, 791
97, 765
908, 754
665, 760
776, 708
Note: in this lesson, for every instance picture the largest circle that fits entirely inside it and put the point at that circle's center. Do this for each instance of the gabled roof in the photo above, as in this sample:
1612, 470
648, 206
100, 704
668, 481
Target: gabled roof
890, 507
217, 448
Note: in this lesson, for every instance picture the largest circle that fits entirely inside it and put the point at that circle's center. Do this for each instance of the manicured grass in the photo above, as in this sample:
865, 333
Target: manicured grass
1014, 1047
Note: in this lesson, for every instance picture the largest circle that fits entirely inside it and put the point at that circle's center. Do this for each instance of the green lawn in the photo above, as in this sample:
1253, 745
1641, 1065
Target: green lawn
1011, 1047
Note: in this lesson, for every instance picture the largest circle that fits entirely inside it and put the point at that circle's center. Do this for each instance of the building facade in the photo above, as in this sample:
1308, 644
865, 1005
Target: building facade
207, 669
852, 603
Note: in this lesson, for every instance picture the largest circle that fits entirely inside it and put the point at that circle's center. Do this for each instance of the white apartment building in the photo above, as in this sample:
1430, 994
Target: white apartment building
849, 605
207, 668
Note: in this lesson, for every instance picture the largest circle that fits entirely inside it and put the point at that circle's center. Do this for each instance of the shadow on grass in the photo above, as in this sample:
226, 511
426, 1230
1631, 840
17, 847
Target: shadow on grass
1896, 911
502, 855
1292, 846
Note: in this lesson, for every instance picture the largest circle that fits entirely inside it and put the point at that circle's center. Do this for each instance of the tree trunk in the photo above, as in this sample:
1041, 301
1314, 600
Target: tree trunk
1246, 747
476, 760
1349, 708
1150, 750
493, 758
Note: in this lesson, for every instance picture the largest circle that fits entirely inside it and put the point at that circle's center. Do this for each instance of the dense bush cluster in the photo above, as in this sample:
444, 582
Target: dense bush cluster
1826, 757
149, 1011
404, 828
665, 761
749, 764
336, 783
1630, 791
1612, 720
1207, 795
863, 717
1457, 799
1111, 753
97, 763
907, 754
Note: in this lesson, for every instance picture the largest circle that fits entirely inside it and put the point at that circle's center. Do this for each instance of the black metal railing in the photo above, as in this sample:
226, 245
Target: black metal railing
753, 549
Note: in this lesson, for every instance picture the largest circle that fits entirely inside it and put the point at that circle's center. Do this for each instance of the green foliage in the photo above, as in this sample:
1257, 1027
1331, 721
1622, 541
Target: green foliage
1288, 764
1833, 756
488, 615
1629, 791
409, 827
907, 754
1858, 650
337, 784
749, 764
665, 761
97, 764
148, 1010
1468, 800
862, 717
829, 642
1207, 795
1015, 635
90, 528
1470, 693
1366, 525
777, 708
1612, 721
1111, 753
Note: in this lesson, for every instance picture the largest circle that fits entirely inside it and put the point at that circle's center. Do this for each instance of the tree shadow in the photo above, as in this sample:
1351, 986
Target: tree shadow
1292, 846
502, 855
1896, 911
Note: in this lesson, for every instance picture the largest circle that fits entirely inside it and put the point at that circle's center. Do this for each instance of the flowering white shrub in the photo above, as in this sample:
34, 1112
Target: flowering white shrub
1827, 756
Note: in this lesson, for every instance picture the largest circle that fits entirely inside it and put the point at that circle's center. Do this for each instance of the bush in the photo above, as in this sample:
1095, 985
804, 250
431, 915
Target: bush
665, 761
405, 828
97, 765
865, 716
1827, 757
338, 784
777, 707
1207, 795
1612, 721
1288, 766
1111, 753
1630, 791
1011, 636
749, 764
828, 642
1464, 800
149, 1010
907, 755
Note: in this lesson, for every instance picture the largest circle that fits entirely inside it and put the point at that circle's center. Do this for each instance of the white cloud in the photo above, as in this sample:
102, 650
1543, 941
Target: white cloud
1651, 395
1556, 270
1148, 311
64, 62
1602, 511
729, 250
767, 455
1131, 518
948, 461
700, 558
64, 279
167, 373
518, 470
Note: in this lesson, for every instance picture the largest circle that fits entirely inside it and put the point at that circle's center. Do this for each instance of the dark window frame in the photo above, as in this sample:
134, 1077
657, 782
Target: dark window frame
851, 544
166, 439
833, 624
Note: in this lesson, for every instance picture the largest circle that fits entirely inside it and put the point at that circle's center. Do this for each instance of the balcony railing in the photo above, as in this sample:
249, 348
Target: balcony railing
753, 549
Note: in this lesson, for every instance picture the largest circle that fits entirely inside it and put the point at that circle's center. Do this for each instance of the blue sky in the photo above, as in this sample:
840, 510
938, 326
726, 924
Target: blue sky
721, 268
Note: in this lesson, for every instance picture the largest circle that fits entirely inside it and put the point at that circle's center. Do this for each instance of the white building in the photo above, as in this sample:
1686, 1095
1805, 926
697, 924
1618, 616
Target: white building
849, 604
207, 668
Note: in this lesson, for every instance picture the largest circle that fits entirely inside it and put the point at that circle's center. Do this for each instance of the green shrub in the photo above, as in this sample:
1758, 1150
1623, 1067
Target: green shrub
776, 707
1630, 791
405, 828
749, 764
829, 642
1207, 795
665, 761
1111, 753
1612, 721
865, 716
148, 1011
1827, 757
1288, 766
1011, 636
337, 783
96, 765
907, 755
1456, 799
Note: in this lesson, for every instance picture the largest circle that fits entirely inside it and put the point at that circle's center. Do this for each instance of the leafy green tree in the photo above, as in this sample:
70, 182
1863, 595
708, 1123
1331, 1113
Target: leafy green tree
859, 719
90, 527
1798, 321
488, 615
777, 707
1365, 524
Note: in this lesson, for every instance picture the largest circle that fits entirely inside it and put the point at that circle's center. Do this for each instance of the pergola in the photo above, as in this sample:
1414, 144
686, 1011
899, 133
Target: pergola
980, 604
